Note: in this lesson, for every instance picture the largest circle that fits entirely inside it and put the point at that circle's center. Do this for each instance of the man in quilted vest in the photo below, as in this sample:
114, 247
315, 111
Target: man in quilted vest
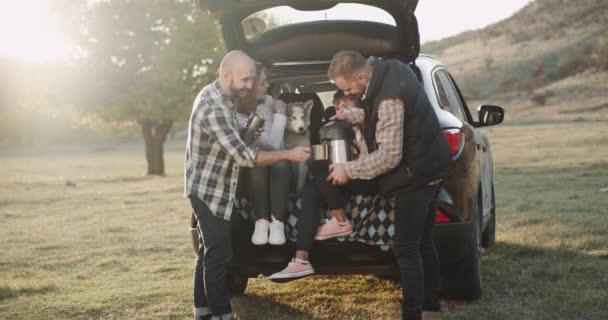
408, 158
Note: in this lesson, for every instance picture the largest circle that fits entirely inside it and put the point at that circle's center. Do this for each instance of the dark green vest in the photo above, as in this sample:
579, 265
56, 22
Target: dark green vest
426, 154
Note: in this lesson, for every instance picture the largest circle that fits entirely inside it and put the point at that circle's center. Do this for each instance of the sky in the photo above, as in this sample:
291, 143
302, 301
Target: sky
442, 18
30, 32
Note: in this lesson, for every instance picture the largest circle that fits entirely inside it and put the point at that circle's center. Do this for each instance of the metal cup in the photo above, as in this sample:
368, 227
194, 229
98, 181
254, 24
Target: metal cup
320, 152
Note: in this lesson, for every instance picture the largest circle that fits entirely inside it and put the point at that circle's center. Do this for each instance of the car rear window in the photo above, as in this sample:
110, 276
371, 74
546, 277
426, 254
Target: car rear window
263, 21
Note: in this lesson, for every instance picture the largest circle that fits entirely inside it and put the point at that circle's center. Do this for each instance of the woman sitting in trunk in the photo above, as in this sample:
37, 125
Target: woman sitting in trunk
266, 187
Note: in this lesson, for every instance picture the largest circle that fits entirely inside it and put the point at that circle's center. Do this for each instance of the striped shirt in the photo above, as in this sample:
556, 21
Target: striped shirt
215, 151
389, 137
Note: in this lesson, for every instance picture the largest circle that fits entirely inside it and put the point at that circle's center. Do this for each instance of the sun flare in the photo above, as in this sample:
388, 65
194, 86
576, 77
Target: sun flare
29, 32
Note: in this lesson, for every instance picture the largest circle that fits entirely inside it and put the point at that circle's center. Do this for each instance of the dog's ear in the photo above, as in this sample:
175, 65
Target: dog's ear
308, 107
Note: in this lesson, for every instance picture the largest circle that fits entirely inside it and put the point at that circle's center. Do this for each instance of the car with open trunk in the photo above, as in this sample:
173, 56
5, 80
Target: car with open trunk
297, 39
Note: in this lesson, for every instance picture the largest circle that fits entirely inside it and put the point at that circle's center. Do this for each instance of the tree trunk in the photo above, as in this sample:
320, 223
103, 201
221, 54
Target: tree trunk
155, 134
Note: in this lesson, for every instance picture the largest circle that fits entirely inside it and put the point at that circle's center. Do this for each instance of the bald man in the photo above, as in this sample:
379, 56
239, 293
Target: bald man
214, 154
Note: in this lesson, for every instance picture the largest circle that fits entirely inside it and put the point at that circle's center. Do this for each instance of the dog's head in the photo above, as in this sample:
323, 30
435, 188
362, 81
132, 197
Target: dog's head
298, 116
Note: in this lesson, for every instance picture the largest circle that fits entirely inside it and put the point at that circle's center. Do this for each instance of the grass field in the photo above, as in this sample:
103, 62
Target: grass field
85, 235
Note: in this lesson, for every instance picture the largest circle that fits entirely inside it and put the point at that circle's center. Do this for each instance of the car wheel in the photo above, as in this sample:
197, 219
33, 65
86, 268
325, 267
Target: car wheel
488, 238
237, 283
462, 280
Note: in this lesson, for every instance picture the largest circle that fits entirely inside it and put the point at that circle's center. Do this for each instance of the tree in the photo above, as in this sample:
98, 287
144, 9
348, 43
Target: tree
143, 61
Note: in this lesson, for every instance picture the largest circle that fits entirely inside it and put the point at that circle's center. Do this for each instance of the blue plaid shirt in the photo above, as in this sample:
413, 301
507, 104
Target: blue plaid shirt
215, 151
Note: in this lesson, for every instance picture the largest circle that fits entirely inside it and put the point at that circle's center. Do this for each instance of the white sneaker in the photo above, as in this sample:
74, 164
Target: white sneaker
260, 233
277, 232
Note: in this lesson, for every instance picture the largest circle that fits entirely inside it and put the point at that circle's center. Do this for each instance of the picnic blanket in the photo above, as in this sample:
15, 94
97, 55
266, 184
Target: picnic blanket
372, 218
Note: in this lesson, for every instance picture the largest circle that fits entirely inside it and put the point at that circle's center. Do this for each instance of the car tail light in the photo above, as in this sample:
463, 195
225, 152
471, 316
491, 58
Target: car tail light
441, 217
455, 140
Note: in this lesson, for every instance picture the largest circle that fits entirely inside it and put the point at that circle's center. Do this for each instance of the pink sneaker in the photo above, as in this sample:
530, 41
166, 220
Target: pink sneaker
296, 269
334, 229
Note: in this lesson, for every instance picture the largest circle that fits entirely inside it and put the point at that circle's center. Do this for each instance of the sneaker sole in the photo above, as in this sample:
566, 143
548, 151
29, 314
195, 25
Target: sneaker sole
331, 236
277, 243
291, 276
259, 243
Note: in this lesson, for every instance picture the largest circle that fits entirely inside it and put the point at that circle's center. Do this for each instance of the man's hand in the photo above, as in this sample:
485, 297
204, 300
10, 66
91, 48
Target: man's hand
337, 174
340, 115
278, 106
298, 154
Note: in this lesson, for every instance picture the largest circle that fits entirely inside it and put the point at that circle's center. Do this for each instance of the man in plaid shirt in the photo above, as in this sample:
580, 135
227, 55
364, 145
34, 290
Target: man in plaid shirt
214, 154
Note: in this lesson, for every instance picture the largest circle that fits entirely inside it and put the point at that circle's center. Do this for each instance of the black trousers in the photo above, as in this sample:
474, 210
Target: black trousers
416, 254
336, 196
268, 189
320, 190
211, 294
413, 242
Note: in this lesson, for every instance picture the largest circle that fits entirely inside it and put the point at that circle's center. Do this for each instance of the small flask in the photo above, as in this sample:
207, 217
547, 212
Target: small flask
254, 123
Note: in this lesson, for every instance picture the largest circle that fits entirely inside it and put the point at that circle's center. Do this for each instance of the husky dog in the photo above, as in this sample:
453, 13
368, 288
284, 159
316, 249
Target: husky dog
297, 134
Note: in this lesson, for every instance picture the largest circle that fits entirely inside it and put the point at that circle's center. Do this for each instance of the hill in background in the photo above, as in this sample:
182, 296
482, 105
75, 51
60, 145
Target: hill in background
547, 62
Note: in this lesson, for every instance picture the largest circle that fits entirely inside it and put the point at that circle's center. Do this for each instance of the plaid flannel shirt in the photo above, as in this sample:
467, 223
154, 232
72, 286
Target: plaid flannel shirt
389, 136
215, 151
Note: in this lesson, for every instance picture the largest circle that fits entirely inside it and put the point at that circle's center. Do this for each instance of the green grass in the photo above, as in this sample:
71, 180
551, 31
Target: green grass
117, 246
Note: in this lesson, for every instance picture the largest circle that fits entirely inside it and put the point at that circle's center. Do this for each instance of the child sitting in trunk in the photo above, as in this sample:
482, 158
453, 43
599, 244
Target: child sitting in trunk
335, 196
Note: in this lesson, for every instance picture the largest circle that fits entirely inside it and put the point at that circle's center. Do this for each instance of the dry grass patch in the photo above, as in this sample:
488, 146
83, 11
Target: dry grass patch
116, 245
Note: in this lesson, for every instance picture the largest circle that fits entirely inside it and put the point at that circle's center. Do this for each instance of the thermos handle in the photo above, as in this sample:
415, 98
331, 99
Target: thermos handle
357, 150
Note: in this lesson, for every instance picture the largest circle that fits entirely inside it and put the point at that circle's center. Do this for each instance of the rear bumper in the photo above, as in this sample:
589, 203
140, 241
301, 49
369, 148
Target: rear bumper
327, 257
452, 241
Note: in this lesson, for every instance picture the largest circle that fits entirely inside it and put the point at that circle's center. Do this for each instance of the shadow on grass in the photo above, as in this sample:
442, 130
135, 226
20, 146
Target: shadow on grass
9, 293
529, 282
520, 282
252, 307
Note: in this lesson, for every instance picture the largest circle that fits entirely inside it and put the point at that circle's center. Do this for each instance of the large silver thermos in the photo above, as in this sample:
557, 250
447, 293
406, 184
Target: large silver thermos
340, 139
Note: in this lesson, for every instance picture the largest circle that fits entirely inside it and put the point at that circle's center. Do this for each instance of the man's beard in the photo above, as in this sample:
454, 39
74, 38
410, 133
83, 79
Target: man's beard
247, 103
239, 93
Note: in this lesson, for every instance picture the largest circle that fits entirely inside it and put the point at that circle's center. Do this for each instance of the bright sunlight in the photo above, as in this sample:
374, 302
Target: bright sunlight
28, 31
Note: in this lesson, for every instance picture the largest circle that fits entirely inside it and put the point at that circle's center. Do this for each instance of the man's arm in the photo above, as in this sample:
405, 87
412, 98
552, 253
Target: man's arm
389, 136
267, 158
217, 124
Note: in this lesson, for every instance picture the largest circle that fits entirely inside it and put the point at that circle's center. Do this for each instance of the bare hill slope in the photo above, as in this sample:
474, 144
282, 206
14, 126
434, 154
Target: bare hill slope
544, 63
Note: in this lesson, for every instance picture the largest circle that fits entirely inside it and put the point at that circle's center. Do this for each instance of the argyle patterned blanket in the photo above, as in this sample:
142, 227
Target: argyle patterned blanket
372, 218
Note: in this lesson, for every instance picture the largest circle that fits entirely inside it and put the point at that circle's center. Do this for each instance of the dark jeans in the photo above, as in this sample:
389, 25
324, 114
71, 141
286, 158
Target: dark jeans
214, 258
413, 243
268, 189
336, 196
319, 189
416, 254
